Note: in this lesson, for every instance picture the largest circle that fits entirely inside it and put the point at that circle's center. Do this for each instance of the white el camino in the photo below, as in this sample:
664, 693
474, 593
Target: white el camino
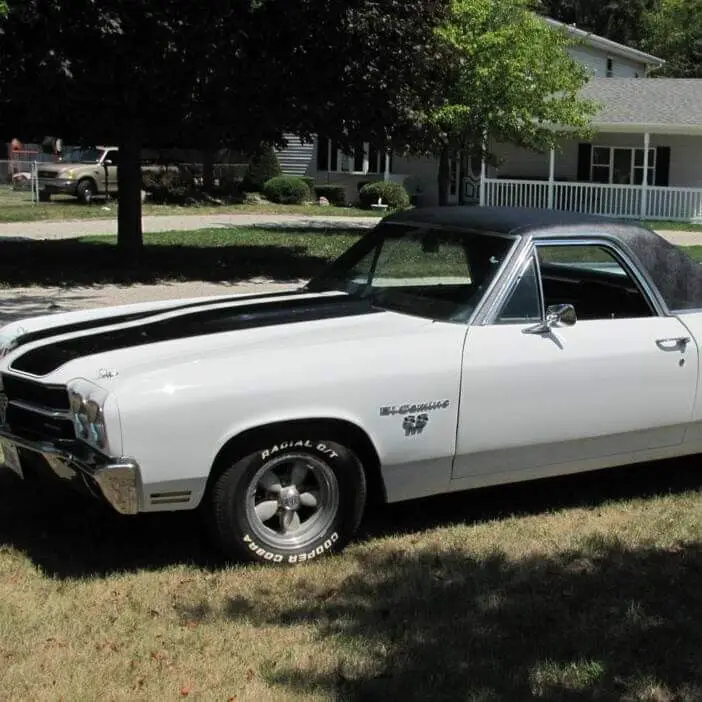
448, 349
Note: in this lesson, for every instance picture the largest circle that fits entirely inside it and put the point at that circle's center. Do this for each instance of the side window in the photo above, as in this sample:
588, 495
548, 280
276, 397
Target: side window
524, 303
592, 279
113, 156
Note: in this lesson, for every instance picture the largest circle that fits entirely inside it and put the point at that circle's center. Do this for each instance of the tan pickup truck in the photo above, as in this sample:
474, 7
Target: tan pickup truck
88, 173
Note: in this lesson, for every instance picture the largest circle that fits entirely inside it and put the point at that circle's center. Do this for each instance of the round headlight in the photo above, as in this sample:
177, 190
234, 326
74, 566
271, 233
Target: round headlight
77, 402
92, 411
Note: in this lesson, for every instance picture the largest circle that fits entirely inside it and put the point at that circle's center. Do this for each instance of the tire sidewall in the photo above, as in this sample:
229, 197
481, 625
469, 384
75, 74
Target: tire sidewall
86, 192
231, 518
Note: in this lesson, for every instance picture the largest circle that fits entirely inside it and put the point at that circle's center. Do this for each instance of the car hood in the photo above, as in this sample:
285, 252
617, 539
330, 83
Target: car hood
128, 342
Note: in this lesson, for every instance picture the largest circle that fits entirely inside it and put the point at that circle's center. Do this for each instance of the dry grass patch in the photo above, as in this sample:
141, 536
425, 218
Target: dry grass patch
571, 589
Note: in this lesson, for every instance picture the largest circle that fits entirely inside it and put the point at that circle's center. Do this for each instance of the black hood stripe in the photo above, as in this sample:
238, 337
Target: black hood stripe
97, 322
47, 358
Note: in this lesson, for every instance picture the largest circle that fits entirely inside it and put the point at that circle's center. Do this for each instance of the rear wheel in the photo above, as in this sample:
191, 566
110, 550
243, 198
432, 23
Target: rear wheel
292, 500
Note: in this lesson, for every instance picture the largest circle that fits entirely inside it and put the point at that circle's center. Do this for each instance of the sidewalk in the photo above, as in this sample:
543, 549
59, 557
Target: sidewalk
90, 227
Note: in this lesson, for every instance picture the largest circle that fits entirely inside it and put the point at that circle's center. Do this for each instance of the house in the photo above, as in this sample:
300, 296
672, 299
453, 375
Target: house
645, 125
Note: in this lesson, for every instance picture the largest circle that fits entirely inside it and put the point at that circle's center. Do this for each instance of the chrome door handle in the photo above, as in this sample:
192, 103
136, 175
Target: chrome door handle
673, 343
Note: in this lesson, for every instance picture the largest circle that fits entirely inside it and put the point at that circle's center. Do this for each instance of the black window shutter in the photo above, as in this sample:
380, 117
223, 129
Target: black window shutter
584, 161
662, 165
322, 153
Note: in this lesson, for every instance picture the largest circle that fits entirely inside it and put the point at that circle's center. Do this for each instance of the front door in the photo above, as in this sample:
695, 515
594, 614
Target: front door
621, 380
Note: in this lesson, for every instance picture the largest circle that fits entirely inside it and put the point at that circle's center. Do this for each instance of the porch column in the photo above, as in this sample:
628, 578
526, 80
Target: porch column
551, 176
644, 180
386, 172
483, 170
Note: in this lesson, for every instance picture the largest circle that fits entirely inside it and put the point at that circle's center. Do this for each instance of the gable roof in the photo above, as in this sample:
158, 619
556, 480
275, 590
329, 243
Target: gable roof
661, 105
611, 47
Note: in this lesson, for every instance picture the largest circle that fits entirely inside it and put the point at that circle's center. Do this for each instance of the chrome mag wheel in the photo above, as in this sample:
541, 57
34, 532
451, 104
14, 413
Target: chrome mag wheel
292, 500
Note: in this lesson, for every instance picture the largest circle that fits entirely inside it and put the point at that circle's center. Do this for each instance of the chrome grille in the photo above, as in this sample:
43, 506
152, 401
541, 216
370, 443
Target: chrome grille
36, 411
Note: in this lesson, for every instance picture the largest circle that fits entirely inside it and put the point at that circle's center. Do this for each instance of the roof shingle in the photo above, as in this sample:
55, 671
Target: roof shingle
668, 102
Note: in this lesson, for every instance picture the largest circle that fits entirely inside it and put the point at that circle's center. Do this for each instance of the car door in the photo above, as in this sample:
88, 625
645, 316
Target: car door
621, 380
111, 171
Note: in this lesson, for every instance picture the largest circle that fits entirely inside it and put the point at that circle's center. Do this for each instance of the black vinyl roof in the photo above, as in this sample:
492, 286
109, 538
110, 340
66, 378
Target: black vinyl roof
510, 220
677, 277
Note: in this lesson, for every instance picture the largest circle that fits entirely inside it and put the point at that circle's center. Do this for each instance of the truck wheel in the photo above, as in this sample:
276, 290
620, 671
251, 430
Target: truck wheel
86, 191
294, 499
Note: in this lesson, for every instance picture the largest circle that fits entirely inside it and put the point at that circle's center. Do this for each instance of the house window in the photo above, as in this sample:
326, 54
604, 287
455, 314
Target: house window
610, 67
621, 165
363, 158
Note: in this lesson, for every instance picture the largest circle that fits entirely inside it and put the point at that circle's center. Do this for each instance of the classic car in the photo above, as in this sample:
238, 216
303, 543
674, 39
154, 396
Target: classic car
449, 348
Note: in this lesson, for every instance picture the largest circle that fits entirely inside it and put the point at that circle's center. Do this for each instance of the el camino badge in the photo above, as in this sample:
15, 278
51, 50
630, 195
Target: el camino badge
415, 416
414, 408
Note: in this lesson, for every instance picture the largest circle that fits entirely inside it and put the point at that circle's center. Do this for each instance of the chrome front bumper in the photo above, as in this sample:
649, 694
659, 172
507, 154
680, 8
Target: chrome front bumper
118, 479
58, 186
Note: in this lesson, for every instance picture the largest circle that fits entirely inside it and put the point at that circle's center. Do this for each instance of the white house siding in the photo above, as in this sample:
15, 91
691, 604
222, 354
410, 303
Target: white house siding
596, 60
685, 159
297, 158
422, 177
515, 162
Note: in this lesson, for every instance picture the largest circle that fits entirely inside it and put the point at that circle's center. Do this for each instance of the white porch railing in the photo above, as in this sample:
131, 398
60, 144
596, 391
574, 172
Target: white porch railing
682, 204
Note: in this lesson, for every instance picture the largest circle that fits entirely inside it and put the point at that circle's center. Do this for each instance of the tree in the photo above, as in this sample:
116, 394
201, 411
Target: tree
675, 34
226, 72
618, 20
506, 74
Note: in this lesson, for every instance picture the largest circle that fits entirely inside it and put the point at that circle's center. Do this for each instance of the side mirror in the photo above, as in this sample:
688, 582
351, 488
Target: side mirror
107, 162
556, 316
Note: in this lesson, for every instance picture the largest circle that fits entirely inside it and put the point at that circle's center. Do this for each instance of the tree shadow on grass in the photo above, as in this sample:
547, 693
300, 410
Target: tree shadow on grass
71, 262
599, 622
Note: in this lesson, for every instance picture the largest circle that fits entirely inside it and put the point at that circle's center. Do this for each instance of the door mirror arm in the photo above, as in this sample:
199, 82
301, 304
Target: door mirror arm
556, 316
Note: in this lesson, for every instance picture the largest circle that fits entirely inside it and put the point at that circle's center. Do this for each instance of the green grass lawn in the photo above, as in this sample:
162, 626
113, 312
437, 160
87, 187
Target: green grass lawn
17, 207
222, 254
572, 589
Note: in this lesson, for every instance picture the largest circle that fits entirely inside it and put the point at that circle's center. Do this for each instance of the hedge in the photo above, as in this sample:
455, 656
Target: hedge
286, 190
392, 194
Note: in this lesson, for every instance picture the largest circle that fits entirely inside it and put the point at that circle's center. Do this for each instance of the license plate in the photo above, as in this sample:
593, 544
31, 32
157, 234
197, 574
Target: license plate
10, 457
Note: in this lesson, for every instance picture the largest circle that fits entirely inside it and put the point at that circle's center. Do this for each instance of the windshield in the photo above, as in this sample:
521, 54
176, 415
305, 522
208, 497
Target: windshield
84, 156
427, 271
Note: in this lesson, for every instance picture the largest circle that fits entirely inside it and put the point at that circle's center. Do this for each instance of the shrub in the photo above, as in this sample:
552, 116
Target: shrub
262, 167
168, 185
336, 194
310, 184
286, 190
392, 194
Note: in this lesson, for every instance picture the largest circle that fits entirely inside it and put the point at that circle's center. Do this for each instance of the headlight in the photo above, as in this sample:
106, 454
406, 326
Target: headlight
88, 419
96, 423
68, 175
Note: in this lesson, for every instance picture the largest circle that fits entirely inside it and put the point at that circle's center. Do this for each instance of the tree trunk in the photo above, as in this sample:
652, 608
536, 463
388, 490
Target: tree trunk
130, 240
208, 170
443, 178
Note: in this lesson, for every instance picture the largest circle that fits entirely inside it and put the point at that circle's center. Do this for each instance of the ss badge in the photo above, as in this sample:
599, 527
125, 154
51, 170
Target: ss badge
414, 424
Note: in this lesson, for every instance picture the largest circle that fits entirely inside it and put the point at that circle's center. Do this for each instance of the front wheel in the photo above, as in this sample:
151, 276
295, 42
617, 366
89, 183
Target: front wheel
86, 191
291, 501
